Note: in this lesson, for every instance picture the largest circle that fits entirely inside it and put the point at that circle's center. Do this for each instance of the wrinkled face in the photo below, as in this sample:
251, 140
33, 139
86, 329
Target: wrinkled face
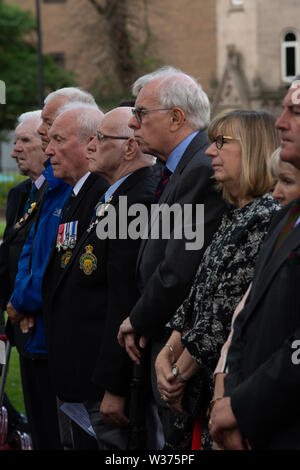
287, 185
227, 162
289, 125
48, 116
28, 149
105, 155
152, 134
67, 152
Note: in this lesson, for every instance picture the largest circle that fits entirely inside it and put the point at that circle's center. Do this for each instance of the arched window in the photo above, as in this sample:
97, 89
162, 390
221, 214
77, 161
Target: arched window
290, 64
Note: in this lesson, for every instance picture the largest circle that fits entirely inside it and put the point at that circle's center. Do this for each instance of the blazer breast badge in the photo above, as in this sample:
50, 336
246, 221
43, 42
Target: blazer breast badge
88, 261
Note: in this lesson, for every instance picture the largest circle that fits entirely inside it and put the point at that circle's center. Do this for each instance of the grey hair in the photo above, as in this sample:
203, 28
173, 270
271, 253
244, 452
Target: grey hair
31, 115
71, 94
179, 89
89, 116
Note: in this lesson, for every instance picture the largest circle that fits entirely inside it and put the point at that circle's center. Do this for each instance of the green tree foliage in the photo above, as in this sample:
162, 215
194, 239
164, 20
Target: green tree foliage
19, 65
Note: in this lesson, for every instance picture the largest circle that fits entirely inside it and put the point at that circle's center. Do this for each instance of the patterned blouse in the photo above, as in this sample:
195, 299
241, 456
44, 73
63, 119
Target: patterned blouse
225, 272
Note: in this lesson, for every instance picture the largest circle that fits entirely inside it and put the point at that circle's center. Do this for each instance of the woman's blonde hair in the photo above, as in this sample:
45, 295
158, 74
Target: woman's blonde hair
258, 138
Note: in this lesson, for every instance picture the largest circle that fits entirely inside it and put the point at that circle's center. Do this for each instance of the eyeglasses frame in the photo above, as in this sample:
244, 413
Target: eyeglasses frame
138, 113
101, 137
228, 137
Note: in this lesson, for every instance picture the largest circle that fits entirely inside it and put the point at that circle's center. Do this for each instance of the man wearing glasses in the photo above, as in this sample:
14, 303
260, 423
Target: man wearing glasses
97, 288
169, 121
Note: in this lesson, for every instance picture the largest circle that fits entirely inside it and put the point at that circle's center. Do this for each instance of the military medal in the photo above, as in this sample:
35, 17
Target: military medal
72, 234
65, 259
60, 236
25, 216
99, 211
67, 235
88, 261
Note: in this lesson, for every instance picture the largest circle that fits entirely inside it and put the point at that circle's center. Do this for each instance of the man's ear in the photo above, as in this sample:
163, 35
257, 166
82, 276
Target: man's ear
131, 148
177, 118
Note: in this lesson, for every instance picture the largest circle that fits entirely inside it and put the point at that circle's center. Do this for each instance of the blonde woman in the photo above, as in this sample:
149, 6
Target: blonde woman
241, 143
287, 179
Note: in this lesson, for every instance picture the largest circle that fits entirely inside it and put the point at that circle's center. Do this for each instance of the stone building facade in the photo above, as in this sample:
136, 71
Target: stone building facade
243, 52
257, 53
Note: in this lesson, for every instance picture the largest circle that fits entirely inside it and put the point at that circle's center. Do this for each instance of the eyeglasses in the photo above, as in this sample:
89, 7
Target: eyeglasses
220, 140
101, 137
140, 112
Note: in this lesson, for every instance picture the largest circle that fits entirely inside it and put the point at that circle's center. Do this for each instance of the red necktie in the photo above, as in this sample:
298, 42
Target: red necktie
166, 173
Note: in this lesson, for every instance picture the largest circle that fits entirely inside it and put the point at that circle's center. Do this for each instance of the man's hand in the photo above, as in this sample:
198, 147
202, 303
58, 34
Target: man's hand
112, 410
13, 315
223, 427
126, 339
26, 323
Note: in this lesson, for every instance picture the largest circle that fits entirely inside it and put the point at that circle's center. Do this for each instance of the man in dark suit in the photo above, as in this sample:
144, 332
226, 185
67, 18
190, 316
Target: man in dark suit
30, 158
171, 115
262, 386
74, 126
97, 289
19, 218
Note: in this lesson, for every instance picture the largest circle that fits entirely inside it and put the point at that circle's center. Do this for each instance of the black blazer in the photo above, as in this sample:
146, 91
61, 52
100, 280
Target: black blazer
86, 308
165, 269
11, 249
16, 200
81, 208
262, 380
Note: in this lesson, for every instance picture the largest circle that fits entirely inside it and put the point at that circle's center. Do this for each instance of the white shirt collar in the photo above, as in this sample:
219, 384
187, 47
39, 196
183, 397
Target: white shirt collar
80, 183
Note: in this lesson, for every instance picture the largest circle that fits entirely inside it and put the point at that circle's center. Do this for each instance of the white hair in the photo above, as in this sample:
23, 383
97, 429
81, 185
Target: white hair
179, 89
71, 94
88, 116
31, 116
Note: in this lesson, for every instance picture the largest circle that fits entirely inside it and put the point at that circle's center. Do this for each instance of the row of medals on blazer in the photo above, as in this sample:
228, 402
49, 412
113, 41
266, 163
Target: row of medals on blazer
31, 209
87, 261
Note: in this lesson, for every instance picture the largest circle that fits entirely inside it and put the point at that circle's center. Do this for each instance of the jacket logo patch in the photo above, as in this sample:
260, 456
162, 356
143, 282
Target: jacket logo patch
88, 261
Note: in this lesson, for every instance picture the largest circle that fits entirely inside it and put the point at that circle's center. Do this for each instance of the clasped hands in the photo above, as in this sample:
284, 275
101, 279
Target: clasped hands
25, 322
170, 388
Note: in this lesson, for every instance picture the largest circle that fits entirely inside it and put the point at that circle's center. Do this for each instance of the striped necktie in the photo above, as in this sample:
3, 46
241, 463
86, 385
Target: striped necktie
166, 173
293, 216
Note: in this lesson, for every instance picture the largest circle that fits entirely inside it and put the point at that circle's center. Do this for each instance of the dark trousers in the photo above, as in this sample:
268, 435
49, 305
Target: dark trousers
108, 437
40, 404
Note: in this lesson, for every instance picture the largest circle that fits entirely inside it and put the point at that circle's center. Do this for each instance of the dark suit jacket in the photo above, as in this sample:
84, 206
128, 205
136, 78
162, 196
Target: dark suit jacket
165, 269
11, 249
16, 200
263, 381
85, 310
81, 208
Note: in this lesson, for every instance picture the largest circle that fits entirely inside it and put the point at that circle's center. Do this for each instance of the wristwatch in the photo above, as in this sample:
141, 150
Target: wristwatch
175, 372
